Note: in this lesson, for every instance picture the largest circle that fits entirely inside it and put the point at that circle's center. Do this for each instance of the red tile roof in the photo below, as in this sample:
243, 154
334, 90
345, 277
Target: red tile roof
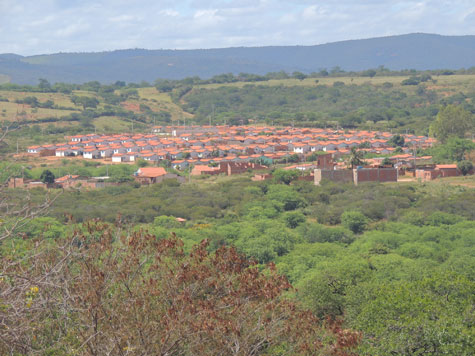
151, 172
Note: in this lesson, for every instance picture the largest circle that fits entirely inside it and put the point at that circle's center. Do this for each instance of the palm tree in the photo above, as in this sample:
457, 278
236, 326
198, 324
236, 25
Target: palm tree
356, 158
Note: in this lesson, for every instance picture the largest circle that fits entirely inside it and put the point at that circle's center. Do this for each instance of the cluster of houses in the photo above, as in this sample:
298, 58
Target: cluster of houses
212, 150
185, 146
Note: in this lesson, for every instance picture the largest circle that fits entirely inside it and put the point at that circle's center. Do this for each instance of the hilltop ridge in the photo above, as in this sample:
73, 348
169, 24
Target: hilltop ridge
412, 51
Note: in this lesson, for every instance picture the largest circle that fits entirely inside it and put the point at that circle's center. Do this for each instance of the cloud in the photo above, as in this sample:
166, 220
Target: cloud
28, 27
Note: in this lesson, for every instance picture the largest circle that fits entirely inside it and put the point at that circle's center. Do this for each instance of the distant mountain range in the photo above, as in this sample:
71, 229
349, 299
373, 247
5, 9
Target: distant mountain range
412, 51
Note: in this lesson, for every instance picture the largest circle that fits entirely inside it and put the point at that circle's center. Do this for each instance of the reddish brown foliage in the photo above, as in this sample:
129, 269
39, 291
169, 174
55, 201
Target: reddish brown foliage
138, 295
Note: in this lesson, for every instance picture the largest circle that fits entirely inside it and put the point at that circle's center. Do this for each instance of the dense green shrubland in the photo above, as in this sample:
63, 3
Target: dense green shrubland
397, 262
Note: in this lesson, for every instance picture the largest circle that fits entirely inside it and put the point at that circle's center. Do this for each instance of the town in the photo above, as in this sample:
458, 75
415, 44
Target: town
229, 150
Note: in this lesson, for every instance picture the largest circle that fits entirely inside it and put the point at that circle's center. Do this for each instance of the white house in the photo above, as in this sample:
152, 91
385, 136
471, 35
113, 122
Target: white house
91, 153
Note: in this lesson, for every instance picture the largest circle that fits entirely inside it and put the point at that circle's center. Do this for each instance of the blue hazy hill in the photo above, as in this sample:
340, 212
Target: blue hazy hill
413, 51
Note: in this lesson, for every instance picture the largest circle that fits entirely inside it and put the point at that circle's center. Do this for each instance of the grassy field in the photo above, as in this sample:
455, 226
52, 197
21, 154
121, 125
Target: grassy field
162, 102
450, 84
12, 111
466, 182
112, 124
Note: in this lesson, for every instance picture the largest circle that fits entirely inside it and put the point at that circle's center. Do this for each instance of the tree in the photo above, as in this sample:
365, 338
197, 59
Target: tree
354, 221
356, 157
429, 316
452, 120
299, 75
47, 176
285, 176
44, 84
369, 73
137, 294
397, 141
293, 219
164, 86
85, 101
387, 162
465, 167
454, 149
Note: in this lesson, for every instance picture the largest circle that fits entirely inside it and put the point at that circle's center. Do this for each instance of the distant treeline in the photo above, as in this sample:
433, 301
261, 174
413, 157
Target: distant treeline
166, 85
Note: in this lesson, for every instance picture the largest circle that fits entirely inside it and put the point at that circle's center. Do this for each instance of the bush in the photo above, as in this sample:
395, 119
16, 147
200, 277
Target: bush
293, 219
354, 221
465, 167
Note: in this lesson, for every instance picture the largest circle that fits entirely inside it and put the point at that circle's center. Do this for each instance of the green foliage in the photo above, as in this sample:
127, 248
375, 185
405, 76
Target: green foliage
356, 157
168, 222
354, 221
313, 232
433, 316
85, 101
465, 167
285, 176
43, 227
451, 121
397, 141
293, 219
349, 105
387, 162
405, 280
454, 149
47, 176
285, 195
142, 163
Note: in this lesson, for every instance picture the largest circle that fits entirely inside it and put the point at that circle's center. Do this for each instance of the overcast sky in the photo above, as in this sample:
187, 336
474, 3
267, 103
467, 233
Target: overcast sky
48, 26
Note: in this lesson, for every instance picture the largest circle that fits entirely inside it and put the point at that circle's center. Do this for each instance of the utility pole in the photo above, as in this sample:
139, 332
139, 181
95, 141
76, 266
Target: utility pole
415, 157
213, 112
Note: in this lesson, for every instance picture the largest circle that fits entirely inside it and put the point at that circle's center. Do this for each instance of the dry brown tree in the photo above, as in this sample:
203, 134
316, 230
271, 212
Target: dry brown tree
113, 293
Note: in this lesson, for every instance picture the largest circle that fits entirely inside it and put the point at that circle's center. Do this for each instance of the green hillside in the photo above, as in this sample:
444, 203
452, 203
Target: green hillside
380, 102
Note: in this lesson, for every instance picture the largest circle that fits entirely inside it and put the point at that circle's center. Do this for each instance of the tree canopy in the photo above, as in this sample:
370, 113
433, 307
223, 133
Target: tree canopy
452, 120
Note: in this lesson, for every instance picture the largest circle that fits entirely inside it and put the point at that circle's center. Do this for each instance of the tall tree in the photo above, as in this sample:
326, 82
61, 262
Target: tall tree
47, 176
356, 157
452, 120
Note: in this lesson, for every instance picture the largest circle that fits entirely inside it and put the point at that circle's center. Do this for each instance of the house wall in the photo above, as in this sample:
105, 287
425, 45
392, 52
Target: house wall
146, 180
356, 175
344, 175
16, 183
45, 153
430, 174
231, 168
261, 177
325, 161
374, 175
211, 171
21, 183
425, 175
308, 178
180, 179
449, 172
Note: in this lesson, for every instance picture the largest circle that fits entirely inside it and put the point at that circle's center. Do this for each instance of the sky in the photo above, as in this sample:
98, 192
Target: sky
30, 27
